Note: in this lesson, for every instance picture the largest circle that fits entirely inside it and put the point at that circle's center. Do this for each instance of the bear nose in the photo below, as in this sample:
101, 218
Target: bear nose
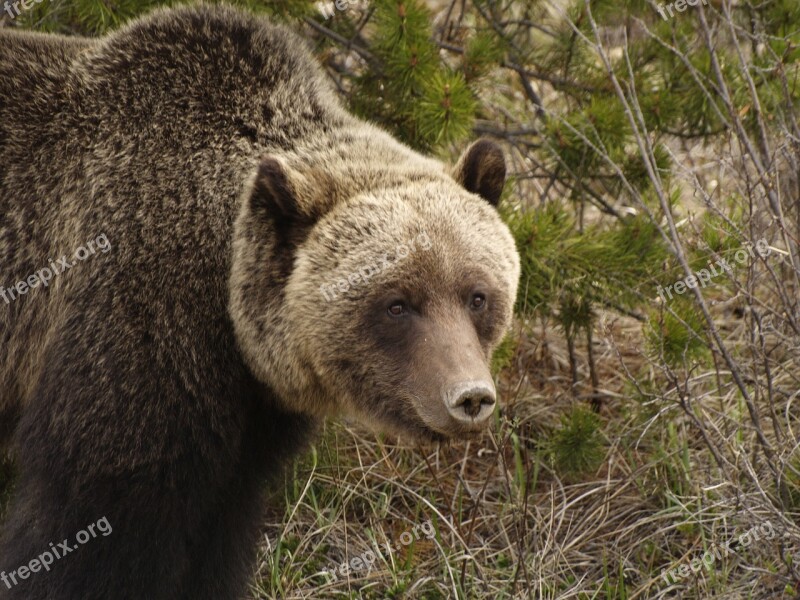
471, 402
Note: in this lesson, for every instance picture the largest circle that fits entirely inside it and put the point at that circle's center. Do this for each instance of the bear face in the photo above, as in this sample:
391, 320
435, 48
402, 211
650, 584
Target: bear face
393, 300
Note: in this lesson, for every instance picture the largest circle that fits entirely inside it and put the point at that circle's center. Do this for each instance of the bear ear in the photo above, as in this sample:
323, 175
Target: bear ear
272, 192
482, 170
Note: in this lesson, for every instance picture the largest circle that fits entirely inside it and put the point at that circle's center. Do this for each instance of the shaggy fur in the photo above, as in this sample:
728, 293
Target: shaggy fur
160, 384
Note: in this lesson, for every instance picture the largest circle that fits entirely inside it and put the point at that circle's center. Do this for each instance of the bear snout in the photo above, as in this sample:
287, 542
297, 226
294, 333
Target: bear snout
471, 403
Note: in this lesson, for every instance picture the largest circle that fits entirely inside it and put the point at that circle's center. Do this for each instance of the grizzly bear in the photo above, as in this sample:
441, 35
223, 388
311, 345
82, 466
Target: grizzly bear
202, 256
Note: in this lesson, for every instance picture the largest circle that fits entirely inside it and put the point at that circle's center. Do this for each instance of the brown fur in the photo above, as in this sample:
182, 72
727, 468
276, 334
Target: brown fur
160, 383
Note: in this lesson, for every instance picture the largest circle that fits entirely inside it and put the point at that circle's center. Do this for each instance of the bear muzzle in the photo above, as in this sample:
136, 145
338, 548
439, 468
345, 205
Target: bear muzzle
471, 403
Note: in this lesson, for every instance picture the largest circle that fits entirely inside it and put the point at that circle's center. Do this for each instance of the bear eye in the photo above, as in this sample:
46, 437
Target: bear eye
478, 301
397, 309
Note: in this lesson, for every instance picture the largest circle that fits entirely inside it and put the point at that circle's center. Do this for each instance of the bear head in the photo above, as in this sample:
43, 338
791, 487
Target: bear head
381, 296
